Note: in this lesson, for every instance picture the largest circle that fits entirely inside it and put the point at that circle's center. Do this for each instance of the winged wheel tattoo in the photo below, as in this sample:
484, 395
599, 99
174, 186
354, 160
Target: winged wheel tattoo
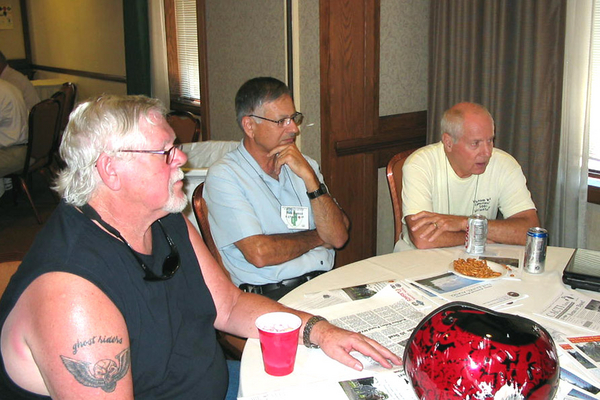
104, 374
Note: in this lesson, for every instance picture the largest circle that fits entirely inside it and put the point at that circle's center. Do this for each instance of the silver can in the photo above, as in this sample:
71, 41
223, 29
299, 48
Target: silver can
476, 237
535, 251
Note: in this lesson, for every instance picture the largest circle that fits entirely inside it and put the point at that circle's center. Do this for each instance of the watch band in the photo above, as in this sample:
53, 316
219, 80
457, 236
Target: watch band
319, 192
308, 328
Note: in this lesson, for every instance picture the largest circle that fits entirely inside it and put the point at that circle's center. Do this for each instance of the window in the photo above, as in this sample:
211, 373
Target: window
183, 54
594, 156
594, 151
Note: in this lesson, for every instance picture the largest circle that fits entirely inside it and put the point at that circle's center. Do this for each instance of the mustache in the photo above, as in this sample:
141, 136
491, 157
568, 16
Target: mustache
177, 176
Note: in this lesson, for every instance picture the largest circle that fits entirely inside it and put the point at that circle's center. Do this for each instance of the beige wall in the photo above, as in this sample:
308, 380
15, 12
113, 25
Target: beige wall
85, 35
11, 40
402, 85
308, 83
241, 45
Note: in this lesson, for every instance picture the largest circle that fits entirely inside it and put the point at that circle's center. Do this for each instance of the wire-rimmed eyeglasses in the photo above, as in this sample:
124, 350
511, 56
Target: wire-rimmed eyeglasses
297, 117
169, 153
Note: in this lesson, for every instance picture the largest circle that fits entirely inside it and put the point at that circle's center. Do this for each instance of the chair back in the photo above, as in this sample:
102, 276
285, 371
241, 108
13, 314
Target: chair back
394, 178
233, 346
186, 126
69, 91
44, 120
201, 213
66, 97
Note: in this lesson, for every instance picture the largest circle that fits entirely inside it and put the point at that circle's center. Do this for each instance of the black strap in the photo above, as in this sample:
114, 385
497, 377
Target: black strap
92, 214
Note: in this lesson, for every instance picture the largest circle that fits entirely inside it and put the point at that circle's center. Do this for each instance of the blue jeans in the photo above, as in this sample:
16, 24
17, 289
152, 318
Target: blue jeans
234, 379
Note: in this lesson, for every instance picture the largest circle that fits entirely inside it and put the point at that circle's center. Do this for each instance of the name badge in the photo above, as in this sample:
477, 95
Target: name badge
295, 217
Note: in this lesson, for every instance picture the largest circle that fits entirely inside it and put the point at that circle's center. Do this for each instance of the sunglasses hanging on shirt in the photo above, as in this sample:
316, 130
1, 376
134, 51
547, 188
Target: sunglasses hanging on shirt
171, 263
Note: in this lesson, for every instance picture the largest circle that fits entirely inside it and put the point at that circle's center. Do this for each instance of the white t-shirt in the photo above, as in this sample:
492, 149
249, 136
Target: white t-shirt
13, 116
21, 82
430, 184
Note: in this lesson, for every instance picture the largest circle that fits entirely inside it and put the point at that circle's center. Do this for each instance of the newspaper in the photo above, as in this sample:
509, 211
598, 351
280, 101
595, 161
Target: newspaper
451, 287
574, 308
387, 317
390, 315
392, 385
327, 298
316, 301
389, 385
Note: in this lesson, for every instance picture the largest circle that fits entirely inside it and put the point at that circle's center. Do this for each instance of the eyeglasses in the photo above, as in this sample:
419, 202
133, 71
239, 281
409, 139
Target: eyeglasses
297, 117
169, 153
170, 265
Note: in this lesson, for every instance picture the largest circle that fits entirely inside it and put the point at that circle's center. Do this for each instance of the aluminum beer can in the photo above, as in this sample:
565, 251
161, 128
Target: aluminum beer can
535, 250
476, 237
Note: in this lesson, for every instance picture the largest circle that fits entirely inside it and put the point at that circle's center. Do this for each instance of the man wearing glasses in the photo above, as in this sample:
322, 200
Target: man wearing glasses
119, 297
270, 213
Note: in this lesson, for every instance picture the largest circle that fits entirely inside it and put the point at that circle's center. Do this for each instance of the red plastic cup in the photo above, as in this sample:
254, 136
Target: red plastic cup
278, 333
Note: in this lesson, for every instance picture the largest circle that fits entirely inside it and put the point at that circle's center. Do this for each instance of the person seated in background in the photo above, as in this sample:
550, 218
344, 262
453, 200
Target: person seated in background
20, 81
119, 297
13, 131
270, 213
446, 182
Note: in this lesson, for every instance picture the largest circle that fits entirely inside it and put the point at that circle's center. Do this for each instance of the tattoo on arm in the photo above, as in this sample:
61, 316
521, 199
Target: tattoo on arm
104, 374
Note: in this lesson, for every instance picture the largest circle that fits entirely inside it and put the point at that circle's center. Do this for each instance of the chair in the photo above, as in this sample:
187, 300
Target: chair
233, 346
201, 213
394, 177
186, 126
66, 97
8, 266
44, 120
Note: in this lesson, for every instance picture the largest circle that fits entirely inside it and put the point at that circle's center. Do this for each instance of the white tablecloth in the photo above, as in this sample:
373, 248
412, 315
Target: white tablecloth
312, 366
201, 155
47, 87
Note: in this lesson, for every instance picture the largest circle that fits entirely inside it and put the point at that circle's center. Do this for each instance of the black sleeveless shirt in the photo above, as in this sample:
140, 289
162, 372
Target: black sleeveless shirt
174, 351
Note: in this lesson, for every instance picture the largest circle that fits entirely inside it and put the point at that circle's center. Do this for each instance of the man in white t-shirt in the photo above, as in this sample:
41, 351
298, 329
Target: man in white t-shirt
20, 81
13, 131
463, 174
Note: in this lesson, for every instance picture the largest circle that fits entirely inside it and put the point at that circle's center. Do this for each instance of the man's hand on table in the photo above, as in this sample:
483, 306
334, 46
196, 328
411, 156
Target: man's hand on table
435, 224
337, 343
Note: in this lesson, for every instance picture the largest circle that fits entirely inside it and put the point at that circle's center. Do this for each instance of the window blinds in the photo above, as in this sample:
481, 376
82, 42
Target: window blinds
187, 50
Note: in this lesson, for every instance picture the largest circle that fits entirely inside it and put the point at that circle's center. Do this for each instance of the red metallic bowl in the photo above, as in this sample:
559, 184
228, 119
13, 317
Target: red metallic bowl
462, 351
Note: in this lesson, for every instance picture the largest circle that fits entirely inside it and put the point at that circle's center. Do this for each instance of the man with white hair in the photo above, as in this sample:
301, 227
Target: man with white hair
119, 297
446, 182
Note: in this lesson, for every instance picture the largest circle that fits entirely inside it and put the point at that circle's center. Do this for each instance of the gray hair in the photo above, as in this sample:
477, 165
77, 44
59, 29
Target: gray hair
453, 119
253, 94
106, 124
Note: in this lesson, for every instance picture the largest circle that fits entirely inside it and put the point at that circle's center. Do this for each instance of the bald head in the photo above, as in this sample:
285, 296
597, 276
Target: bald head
453, 120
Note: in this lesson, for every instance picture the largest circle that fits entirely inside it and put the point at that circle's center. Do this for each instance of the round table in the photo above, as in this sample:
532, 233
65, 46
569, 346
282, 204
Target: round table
313, 367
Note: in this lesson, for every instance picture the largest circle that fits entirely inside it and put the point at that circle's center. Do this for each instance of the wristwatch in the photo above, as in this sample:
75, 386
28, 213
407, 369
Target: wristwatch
319, 192
308, 328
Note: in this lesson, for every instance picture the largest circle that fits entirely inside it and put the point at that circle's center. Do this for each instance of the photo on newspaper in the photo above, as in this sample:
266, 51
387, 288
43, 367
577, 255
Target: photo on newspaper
588, 345
390, 386
578, 382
